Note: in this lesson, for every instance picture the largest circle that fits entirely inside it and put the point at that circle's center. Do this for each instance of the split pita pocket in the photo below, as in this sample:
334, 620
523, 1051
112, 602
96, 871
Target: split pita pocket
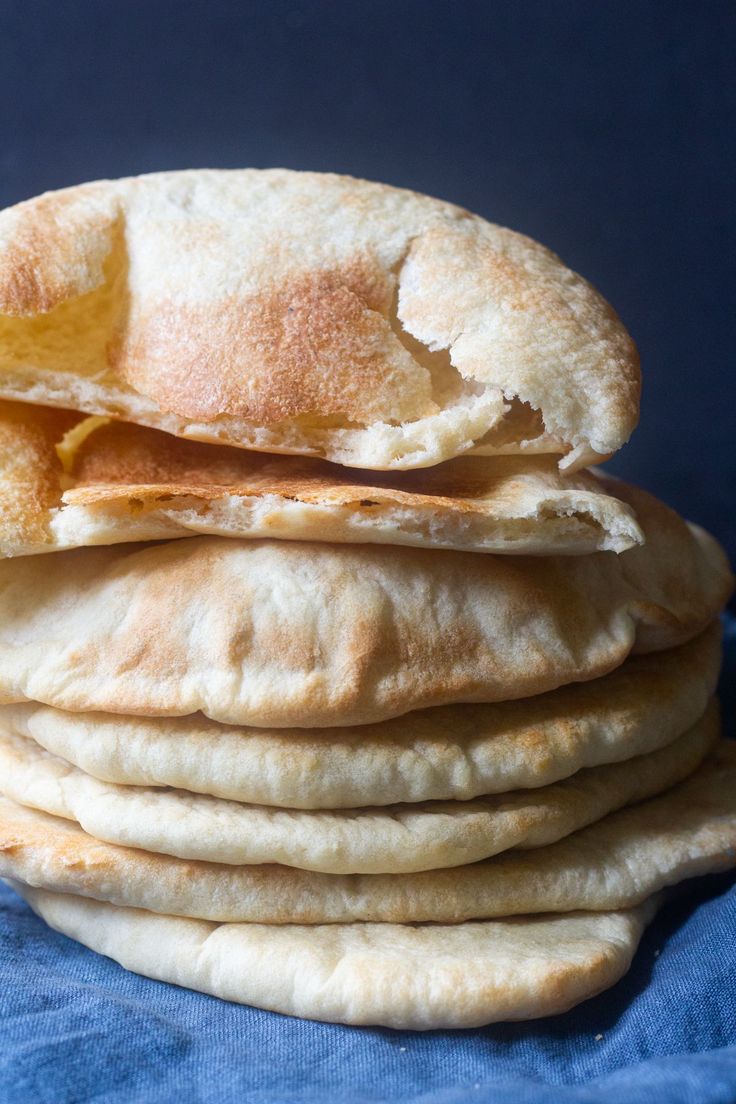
306, 634
67, 484
308, 313
415, 977
452, 752
391, 839
615, 863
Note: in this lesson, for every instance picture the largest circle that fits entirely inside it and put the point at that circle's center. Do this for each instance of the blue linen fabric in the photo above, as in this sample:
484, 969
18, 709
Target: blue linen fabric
75, 1027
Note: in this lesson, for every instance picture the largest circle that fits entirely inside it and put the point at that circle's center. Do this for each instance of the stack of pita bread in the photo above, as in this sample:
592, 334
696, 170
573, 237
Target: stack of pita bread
417, 724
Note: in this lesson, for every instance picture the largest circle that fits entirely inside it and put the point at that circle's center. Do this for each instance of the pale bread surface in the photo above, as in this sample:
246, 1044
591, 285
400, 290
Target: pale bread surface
308, 313
392, 839
615, 863
411, 977
454, 752
117, 482
306, 634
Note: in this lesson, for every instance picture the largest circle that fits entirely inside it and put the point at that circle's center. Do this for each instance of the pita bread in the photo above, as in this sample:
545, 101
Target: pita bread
308, 313
30, 474
615, 863
391, 839
298, 634
128, 483
448, 753
415, 977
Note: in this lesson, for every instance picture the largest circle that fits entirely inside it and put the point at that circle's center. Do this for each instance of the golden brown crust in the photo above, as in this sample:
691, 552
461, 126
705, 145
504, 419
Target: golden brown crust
308, 634
52, 249
30, 472
306, 313
314, 345
144, 461
124, 483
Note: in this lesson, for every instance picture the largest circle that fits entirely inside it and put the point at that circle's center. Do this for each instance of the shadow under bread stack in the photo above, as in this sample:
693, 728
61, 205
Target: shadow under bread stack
416, 725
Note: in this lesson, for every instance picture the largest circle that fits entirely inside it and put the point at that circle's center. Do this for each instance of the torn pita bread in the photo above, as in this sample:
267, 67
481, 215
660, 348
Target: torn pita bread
308, 313
299, 634
391, 839
108, 483
615, 863
410, 977
454, 752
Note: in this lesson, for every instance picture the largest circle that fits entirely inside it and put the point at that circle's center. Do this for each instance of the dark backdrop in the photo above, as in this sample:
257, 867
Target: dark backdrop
602, 127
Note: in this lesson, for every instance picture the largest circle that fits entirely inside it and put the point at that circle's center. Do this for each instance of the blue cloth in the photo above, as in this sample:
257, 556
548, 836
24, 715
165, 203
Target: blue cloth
75, 1027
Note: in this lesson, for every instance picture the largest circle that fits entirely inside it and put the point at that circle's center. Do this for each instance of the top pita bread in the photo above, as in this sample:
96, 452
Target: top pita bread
281, 633
65, 485
308, 313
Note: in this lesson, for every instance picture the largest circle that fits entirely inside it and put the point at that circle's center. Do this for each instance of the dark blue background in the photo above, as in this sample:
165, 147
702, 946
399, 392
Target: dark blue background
603, 128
